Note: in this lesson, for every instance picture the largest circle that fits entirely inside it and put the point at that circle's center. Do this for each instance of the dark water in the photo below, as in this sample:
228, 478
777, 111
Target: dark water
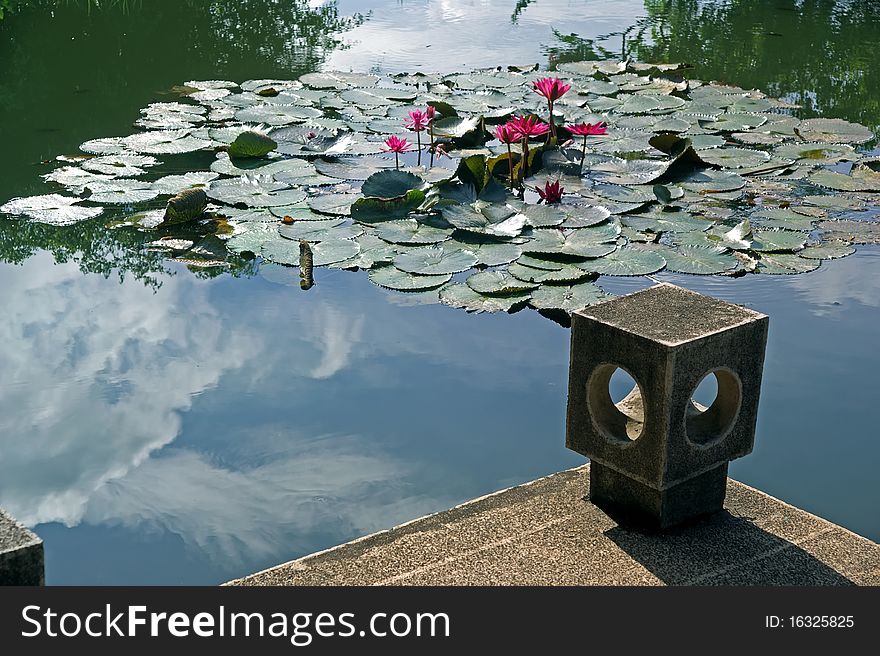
192, 430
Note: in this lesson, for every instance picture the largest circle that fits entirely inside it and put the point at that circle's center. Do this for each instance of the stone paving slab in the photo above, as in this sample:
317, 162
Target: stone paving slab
547, 533
21, 554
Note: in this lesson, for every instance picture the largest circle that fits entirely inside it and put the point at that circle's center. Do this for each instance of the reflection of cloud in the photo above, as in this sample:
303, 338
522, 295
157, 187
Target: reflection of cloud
335, 336
331, 484
461, 32
838, 281
95, 375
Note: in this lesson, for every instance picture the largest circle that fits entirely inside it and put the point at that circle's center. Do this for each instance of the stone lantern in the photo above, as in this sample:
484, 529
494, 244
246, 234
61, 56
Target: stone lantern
657, 457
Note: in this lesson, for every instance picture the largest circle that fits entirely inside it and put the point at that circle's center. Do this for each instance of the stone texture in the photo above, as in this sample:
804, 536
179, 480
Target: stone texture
668, 339
547, 533
21, 554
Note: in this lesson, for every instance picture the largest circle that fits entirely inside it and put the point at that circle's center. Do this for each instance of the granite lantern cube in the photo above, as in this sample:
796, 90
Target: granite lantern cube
21, 554
657, 457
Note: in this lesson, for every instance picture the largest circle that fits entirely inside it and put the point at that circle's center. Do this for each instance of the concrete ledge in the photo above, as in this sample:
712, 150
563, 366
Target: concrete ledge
21, 554
546, 533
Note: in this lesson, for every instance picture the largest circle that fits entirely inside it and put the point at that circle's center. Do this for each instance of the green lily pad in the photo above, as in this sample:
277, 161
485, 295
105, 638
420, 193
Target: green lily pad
566, 273
734, 158
243, 192
339, 204
771, 241
842, 182
459, 295
390, 184
124, 166
352, 168
489, 253
698, 260
174, 184
435, 260
165, 142
275, 114
568, 298
375, 210
410, 232
786, 264
827, 251
713, 182
498, 282
504, 223
122, 191
626, 262
834, 130
53, 209
393, 278
315, 231
815, 152
252, 144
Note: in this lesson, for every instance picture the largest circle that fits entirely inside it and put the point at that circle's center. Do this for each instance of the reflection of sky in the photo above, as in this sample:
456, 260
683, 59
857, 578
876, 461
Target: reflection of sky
448, 35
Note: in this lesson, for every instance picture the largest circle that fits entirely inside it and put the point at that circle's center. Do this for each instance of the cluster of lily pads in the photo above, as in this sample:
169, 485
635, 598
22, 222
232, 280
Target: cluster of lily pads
689, 177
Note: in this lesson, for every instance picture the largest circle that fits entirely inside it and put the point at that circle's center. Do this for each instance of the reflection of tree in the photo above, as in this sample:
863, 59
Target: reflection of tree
90, 244
136, 48
820, 53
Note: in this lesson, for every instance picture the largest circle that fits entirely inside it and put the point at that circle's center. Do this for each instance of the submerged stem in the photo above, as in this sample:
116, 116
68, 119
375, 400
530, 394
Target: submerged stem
419, 142
584, 155
552, 124
510, 164
396, 161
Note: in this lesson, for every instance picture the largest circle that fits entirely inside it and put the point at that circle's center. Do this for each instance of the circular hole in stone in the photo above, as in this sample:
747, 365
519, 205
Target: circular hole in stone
614, 398
713, 407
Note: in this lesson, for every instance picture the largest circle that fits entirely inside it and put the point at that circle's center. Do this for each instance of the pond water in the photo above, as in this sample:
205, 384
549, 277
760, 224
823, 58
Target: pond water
160, 427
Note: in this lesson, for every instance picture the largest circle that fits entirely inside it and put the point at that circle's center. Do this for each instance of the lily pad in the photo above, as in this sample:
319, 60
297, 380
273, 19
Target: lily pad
498, 282
252, 144
435, 260
411, 232
352, 168
243, 192
53, 209
173, 184
459, 295
834, 130
125, 165
698, 260
390, 184
566, 273
626, 262
165, 142
567, 298
315, 231
393, 278
734, 158
827, 251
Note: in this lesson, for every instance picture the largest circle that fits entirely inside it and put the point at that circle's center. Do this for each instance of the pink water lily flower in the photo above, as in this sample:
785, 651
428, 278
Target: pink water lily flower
551, 193
552, 88
396, 145
417, 121
528, 126
587, 130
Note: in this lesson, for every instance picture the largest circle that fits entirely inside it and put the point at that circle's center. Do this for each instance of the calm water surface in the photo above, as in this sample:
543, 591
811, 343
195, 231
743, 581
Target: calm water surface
158, 427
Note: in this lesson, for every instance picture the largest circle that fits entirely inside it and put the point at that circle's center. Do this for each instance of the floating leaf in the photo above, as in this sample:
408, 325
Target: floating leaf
828, 251
315, 231
390, 184
568, 298
459, 295
489, 253
501, 222
165, 142
834, 130
566, 273
498, 282
712, 182
393, 278
698, 260
352, 168
252, 144
435, 260
274, 114
785, 264
125, 166
174, 184
243, 192
770, 241
815, 152
53, 209
375, 210
626, 262
122, 191
734, 158
410, 232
